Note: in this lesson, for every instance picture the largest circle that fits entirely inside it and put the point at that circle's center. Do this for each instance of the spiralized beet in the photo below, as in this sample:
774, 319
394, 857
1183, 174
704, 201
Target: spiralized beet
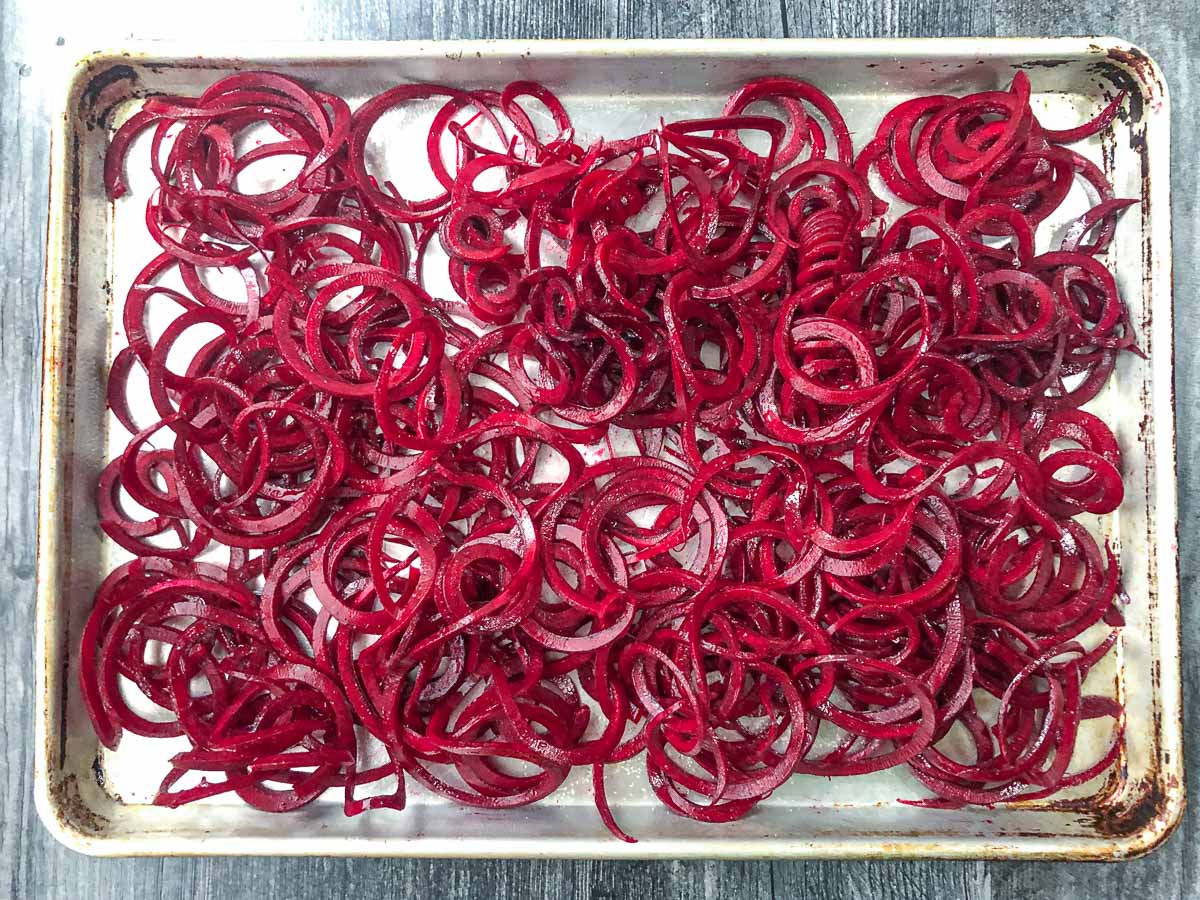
704, 457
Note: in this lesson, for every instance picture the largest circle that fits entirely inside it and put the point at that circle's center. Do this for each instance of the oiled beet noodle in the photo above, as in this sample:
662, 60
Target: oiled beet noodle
710, 449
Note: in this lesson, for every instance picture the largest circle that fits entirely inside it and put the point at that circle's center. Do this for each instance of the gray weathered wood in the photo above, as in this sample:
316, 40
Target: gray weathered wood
37, 38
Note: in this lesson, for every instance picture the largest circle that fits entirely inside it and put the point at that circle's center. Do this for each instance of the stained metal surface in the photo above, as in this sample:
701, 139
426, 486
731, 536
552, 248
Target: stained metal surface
97, 801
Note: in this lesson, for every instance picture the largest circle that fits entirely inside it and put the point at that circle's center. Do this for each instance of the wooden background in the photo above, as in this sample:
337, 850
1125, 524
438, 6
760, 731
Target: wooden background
39, 38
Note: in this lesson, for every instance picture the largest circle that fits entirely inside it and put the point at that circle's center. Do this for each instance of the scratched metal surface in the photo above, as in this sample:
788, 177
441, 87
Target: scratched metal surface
30, 865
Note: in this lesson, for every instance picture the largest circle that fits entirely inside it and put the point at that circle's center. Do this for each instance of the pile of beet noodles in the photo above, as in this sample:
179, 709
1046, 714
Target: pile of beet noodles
713, 457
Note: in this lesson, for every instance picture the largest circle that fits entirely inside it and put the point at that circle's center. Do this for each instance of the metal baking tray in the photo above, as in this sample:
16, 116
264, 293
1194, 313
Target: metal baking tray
97, 801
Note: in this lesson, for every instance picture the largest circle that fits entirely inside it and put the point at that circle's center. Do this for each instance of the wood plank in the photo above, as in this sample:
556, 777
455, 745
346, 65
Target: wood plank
881, 18
23, 151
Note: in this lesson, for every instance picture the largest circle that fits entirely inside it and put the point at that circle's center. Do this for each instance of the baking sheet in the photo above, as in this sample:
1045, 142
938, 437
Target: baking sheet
98, 800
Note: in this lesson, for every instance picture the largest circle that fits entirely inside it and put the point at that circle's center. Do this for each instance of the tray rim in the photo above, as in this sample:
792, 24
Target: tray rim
1166, 797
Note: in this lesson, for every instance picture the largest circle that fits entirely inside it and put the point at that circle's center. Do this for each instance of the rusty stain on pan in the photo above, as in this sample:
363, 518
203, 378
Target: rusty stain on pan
1140, 813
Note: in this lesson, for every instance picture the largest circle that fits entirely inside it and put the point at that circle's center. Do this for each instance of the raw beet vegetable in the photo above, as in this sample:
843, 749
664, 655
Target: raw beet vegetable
703, 456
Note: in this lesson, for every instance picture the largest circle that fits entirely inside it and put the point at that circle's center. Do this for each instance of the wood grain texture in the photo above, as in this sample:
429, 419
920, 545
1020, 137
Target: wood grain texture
37, 40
